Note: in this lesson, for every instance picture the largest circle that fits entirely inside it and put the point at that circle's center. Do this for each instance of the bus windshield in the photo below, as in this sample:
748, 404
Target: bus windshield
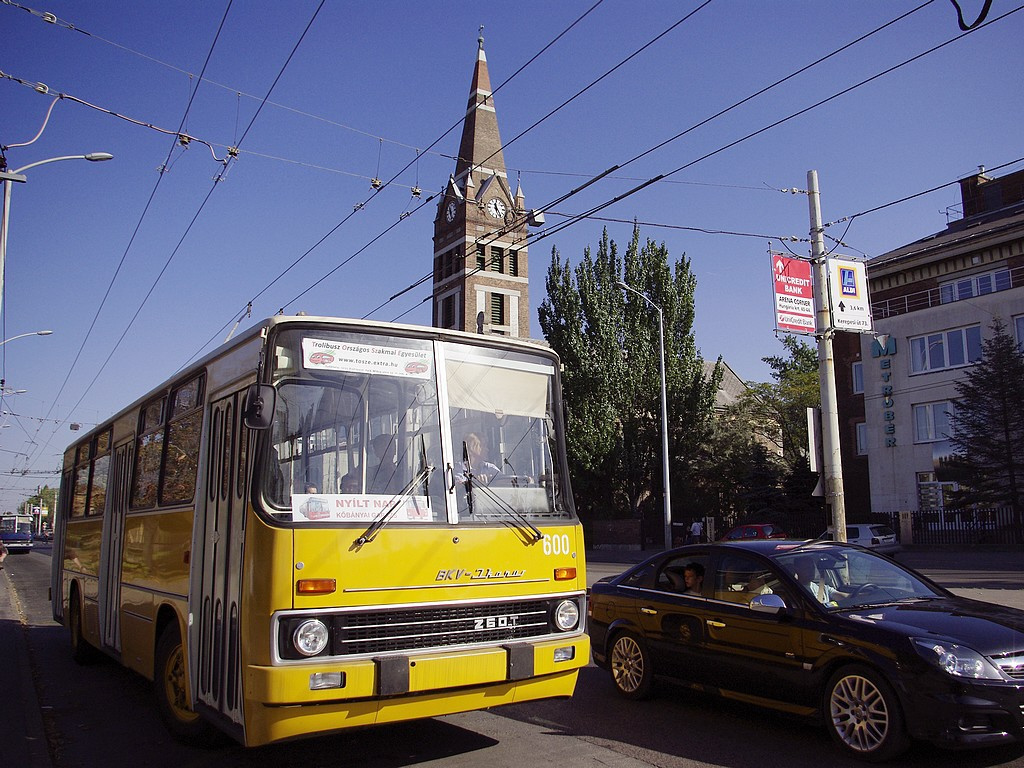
411, 430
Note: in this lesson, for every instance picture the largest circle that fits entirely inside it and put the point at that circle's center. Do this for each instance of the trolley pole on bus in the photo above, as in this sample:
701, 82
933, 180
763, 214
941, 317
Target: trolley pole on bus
832, 464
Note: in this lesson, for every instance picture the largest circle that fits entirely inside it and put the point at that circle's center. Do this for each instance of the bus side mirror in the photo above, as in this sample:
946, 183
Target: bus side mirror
259, 406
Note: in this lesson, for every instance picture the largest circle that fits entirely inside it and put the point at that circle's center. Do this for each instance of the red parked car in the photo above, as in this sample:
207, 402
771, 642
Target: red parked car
754, 531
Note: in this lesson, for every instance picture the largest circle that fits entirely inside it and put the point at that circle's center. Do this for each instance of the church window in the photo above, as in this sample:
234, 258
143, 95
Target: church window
497, 309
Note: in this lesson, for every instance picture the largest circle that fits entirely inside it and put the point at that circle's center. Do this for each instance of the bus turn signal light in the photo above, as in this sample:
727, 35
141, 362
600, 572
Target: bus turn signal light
565, 574
316, 586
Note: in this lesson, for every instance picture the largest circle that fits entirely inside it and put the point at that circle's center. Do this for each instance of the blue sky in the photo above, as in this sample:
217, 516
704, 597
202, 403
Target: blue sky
373, 88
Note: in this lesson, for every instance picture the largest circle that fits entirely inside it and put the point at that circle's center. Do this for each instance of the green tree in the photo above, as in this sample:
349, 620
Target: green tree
988, 426
608, 341
755, 464
46, 497
796, 388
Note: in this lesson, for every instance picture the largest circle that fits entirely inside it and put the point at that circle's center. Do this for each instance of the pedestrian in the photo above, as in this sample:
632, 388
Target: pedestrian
696, 532
3, 554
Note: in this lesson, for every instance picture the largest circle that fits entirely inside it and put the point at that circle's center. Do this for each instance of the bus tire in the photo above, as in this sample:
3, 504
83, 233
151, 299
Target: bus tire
81, 651
171, 689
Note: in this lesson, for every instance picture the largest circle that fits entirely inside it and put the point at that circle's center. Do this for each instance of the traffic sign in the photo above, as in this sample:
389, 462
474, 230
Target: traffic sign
794, 294
848, 295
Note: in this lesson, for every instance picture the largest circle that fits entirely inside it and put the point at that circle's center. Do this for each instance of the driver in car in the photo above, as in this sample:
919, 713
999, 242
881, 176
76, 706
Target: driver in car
804, 572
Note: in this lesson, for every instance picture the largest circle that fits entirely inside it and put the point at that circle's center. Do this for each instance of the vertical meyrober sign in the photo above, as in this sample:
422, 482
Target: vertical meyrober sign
848, 295
794, 294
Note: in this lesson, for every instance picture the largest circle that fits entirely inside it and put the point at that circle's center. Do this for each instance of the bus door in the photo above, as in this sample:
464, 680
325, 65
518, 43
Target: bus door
215, 613
57, 596
118, 485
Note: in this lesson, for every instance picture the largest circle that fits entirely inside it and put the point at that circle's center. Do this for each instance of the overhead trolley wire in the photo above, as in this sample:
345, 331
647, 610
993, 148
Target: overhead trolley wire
377, 190
124, 254
206, 199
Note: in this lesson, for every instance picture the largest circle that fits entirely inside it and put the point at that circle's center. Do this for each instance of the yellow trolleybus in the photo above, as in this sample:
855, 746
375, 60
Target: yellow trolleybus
329, 523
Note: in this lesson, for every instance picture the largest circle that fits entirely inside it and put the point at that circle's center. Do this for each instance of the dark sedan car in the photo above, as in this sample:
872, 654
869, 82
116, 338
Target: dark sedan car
876, 651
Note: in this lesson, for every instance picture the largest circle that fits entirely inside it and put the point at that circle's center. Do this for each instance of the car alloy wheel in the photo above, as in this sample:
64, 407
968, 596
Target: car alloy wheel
631, 667
863, 715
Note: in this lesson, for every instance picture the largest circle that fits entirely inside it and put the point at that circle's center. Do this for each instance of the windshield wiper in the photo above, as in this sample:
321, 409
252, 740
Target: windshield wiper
531, 532
423, 476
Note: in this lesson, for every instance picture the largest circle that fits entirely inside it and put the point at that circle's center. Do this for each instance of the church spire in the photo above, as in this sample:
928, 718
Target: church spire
480, 149
481, 278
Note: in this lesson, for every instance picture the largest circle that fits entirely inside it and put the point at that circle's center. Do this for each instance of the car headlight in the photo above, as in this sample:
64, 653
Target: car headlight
310, 637
567, 615
956, 660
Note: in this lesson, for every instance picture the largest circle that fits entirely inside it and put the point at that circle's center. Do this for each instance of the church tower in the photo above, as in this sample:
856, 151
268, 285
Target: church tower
480, 263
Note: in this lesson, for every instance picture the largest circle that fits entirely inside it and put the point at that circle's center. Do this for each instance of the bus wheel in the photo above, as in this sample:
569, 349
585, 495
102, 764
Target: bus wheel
81, 651
171, 689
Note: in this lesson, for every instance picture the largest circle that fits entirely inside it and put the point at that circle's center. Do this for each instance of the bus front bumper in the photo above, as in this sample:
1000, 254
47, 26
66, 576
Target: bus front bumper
283, 702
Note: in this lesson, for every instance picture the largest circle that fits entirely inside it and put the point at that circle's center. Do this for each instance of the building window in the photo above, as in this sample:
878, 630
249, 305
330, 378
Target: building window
862, 438
976, 285
931, 421
513, 263
481, 258
931, 494
1018, 323
497, 257
857, 371
946, 349
448, 312
497, 309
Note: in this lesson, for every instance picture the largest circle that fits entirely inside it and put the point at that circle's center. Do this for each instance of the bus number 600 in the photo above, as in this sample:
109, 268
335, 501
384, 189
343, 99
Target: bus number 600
556, 545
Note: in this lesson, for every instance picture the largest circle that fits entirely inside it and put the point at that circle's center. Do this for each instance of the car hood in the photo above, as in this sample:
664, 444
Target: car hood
985, 627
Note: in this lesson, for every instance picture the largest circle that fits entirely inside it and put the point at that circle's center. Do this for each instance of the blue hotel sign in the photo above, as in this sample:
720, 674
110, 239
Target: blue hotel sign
884, 349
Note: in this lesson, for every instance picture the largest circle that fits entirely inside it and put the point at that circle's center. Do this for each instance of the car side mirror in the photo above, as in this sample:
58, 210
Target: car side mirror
770, 603
259, 406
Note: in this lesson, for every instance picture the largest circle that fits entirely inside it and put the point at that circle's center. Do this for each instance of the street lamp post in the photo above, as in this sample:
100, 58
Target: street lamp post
9, 177
23, 335
664, 415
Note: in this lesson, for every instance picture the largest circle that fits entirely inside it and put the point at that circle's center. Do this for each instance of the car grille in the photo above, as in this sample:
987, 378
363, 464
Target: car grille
1012, 665
439, 626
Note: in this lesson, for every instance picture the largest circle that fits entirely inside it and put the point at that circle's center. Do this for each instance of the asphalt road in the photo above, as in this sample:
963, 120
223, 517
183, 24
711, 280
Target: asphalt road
55, 714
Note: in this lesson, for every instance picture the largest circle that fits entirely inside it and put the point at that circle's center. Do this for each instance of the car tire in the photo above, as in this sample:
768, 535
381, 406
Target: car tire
171, 690
631, 668
863, 716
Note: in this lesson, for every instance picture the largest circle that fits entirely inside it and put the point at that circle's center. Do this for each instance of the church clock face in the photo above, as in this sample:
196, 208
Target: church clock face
449, 212
495, 208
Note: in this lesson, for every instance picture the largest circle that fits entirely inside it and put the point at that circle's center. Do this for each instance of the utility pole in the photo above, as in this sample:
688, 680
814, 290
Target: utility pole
832, 464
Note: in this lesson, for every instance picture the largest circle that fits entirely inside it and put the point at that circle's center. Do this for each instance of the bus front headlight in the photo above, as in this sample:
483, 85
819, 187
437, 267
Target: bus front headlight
310, 637
567, 615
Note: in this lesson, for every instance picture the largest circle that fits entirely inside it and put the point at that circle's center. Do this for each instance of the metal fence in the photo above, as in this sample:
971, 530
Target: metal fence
997, 526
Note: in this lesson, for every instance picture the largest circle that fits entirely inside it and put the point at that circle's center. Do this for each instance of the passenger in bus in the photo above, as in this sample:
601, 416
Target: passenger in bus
383, 476
483, 470
350, 482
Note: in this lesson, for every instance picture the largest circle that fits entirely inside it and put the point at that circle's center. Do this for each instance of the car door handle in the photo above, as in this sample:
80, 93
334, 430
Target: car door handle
649, 611
716, 624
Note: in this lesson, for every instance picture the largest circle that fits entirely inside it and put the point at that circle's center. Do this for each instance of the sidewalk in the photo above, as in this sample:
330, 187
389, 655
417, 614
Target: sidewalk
25, 743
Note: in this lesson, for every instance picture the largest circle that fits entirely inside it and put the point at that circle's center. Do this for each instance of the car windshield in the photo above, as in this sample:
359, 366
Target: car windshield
842, 578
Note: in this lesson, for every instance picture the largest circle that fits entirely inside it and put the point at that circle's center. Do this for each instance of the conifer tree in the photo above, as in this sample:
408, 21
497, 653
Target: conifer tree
987, 426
